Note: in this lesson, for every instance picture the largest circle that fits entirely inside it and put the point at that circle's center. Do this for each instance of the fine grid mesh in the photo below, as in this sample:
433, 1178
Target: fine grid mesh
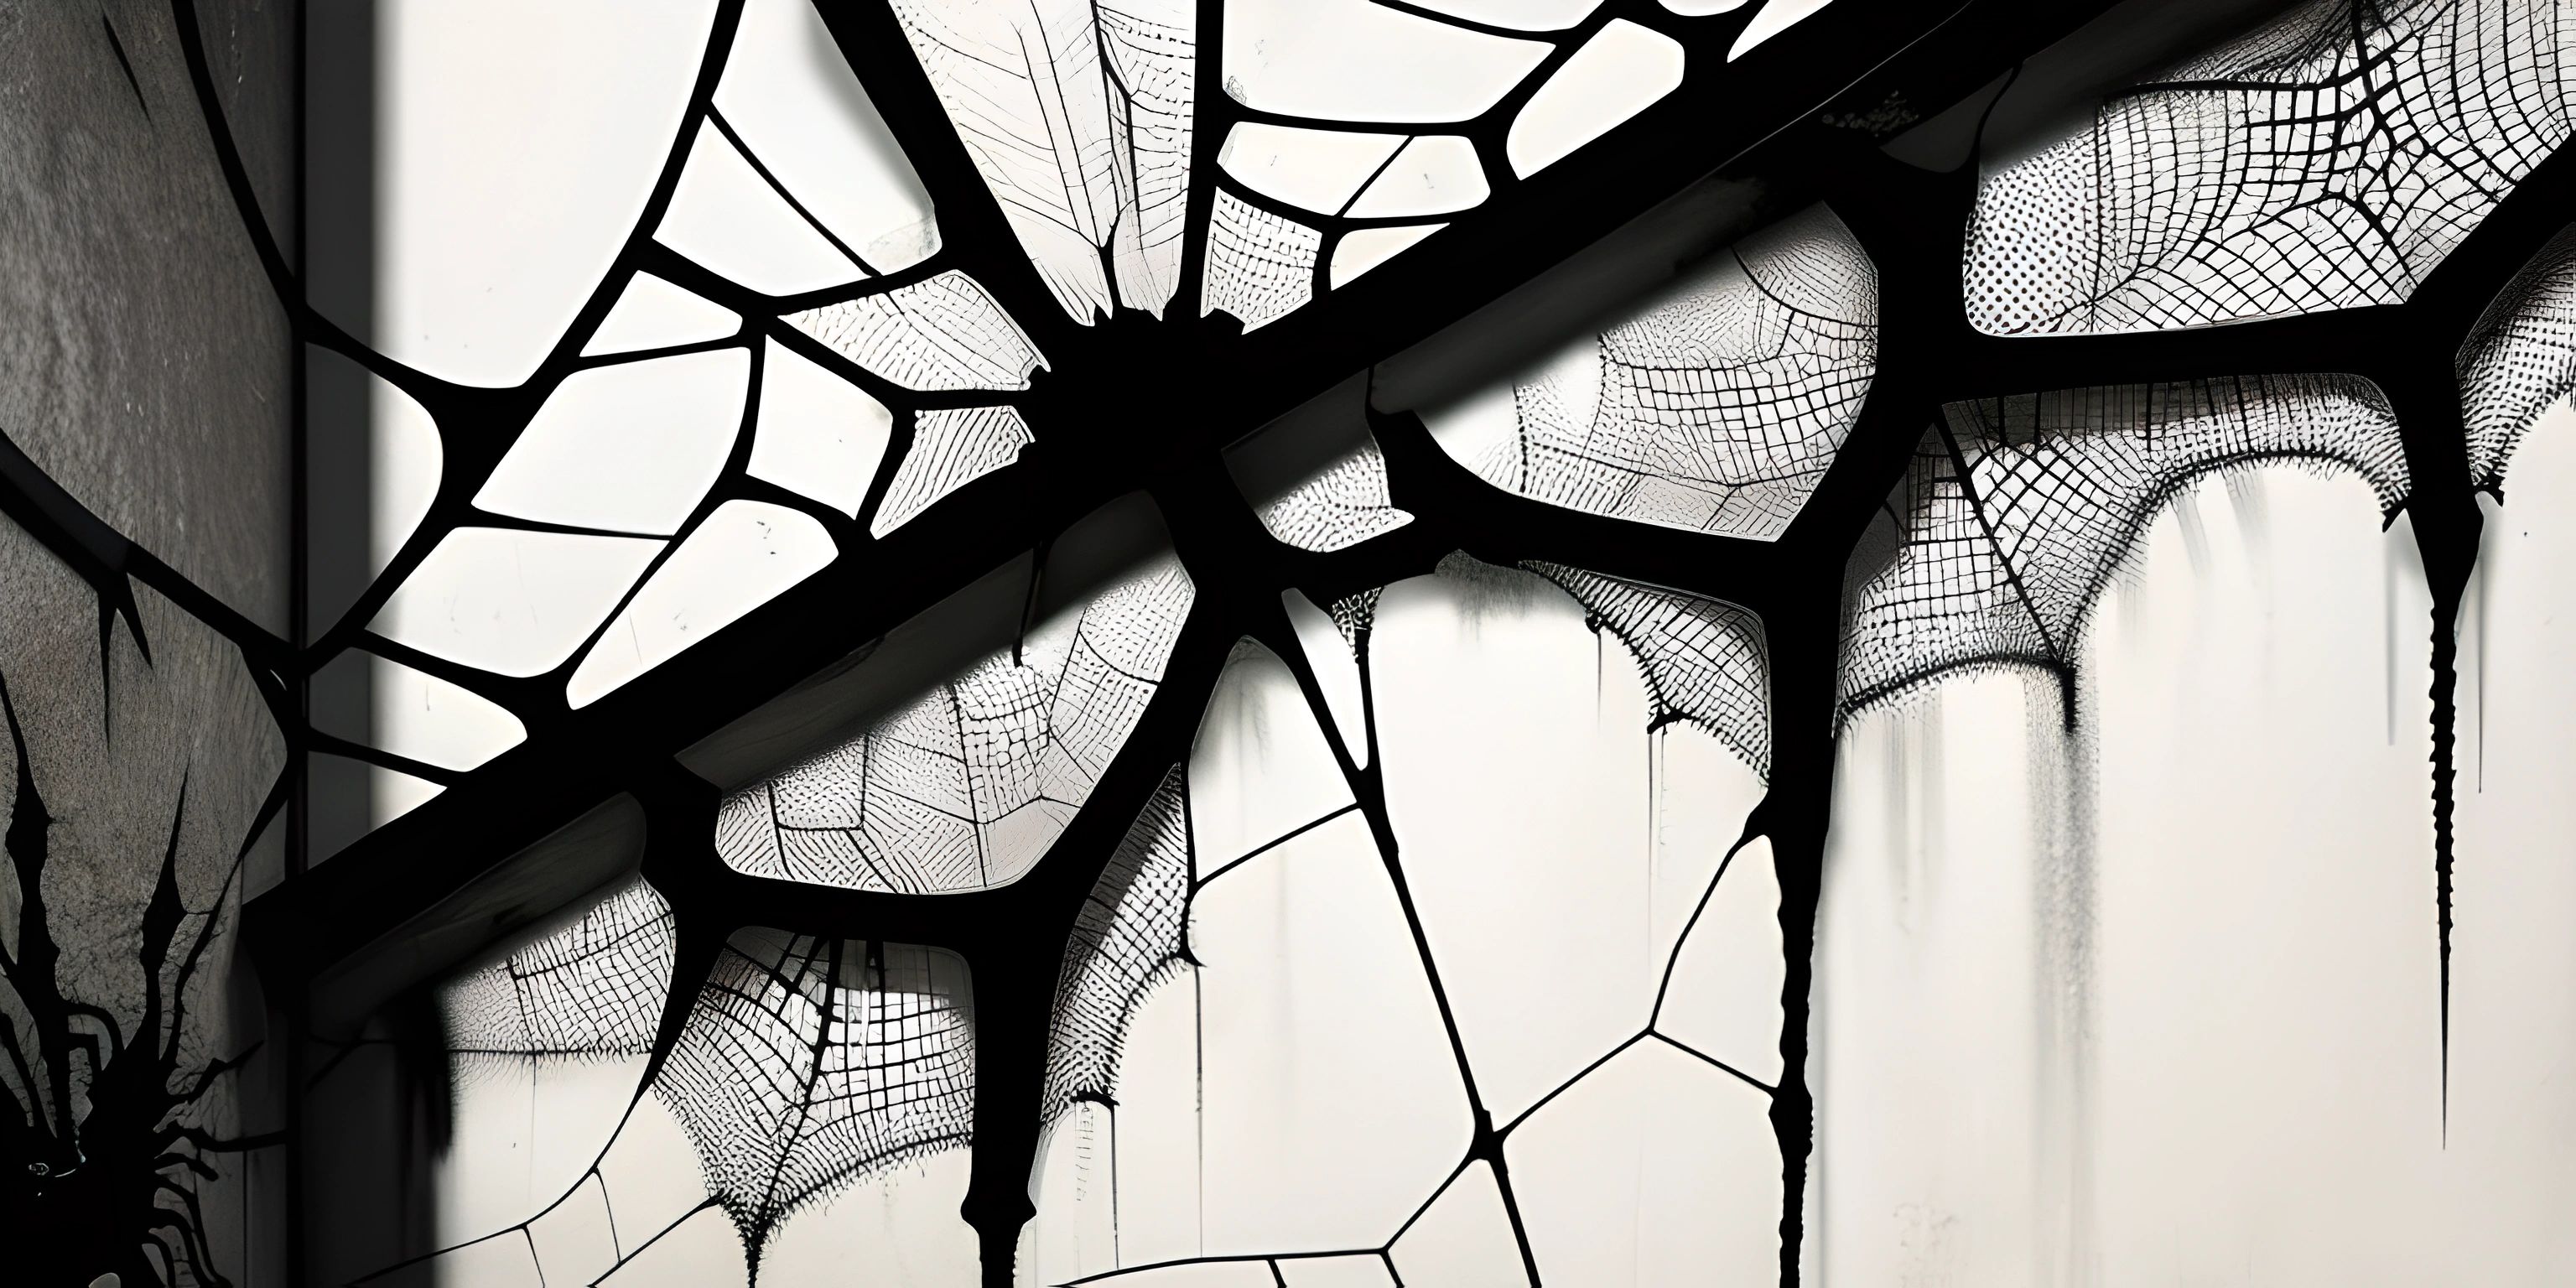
1077, 117
1260, 267
966, 787
938, 334
2008, 537
1128, 938
592, 990
1703, 660
951, 447
2327, 160
806, 1064
1343, 506
2520, 359
1720, 408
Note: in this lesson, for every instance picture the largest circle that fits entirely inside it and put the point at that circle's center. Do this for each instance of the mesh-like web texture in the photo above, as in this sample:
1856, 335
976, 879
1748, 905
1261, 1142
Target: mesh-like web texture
1260, 267
2015, 514
805, 1064
943, 332
951, 447
2520, 359
1077, 116
1343, 506
1719, 409
2329, 159
967, 787
1128, 938
593, 989
1703, 660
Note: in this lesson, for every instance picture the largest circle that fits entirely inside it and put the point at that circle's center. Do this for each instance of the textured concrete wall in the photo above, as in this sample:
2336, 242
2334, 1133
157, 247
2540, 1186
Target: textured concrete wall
145, 369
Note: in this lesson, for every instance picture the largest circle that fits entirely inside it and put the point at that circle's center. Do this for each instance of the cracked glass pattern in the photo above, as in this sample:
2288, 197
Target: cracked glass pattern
1194, 917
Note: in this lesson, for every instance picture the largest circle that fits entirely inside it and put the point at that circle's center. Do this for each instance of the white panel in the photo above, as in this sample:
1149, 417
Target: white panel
740, 558
1351, 60
1075, 1233
2512, 957
1489, 689
1435, 174
653, 314
1520, 15
1362, 249
1317, 169
523, 1134
1336, 1272
2266, 981
628, 448
795, 103
472, 287
494, 1263
652, 1173
1702, 8
515, 603
703, 1251
1655, 1169
1216, 1274
819, 435
1618, 73
1463, 1240
424, 718
1776, 17
728, 219
1260, 767
2160, 998
1725, 994
1924, 1055
1332, 1103
577, 1241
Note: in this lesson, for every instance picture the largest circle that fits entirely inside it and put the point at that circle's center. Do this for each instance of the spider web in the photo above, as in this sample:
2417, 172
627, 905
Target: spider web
1130, 936
951, 447
941, 333
1343, 506
1077, 116
2016, 512
2327, 160
1703, 660
966, 787
592, 990
1720, 409
806, 1064
1261, 266
2519, 360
